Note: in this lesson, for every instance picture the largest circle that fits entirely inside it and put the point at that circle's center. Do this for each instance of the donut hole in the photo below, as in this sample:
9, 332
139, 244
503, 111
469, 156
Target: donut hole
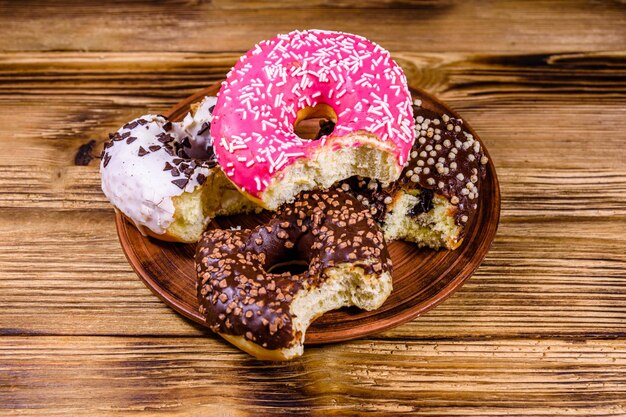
294, 267
314, 122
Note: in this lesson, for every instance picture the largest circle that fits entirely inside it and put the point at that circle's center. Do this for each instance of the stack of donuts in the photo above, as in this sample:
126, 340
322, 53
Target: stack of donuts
382, 168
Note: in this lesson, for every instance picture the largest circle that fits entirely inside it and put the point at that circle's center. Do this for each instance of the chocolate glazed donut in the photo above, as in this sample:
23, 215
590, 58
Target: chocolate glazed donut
266, 314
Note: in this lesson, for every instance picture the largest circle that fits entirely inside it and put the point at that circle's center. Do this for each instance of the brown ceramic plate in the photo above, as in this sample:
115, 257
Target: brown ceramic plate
422, 278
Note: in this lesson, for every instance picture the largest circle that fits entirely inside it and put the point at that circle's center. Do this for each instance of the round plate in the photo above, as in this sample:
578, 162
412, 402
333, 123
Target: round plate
422, 278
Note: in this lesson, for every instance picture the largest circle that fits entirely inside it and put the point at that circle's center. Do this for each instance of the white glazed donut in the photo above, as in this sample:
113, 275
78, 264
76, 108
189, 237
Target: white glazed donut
148, 175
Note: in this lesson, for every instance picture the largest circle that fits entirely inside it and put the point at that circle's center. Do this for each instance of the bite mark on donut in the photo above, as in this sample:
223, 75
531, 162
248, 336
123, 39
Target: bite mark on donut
437, 194
273, 84
240, 296
147, 174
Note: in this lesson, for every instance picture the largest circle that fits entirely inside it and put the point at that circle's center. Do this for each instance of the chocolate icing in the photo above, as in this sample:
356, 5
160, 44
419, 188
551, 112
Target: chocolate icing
326, 128
371, 193
445, 160
425, 204
323, 228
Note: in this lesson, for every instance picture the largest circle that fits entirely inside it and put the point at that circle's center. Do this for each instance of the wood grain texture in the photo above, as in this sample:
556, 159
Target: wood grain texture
540, 328
180, 25
183, 376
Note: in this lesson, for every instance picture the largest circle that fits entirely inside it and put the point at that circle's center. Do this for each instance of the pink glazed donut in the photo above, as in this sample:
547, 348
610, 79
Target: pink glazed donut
301, 75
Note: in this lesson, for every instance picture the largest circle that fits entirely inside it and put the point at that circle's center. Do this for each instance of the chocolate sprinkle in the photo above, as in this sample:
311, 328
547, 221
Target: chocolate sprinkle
164, 138
201, 178
181, 183
205, 126
131, 125
131, 139
142, 151
154, 148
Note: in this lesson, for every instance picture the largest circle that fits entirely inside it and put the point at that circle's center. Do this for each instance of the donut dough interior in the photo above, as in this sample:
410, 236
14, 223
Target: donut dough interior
346, 286
434, 229
338, 159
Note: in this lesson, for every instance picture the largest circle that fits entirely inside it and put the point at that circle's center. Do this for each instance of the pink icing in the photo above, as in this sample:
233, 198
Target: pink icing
257, 106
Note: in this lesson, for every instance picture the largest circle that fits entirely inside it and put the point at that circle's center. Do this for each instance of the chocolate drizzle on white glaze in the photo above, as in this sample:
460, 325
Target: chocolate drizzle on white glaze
145, 164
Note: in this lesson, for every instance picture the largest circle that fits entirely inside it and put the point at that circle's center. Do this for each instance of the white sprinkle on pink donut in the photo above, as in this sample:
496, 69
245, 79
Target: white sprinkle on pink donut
253, 120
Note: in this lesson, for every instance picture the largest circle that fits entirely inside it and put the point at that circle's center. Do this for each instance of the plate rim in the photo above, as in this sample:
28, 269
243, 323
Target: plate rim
382, 324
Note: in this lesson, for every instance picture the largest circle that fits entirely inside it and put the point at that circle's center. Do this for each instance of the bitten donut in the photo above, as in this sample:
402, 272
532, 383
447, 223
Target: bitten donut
267, 313
437, 193
311, 74
148, 175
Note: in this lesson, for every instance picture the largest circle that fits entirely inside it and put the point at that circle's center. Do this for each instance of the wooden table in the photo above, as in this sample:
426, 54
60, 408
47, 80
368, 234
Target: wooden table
539, 330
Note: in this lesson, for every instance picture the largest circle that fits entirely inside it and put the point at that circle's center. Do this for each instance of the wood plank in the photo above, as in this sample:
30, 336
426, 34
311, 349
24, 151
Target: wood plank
183, 376
157, 74
541, 278
523, 105
540, 330
223, 25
